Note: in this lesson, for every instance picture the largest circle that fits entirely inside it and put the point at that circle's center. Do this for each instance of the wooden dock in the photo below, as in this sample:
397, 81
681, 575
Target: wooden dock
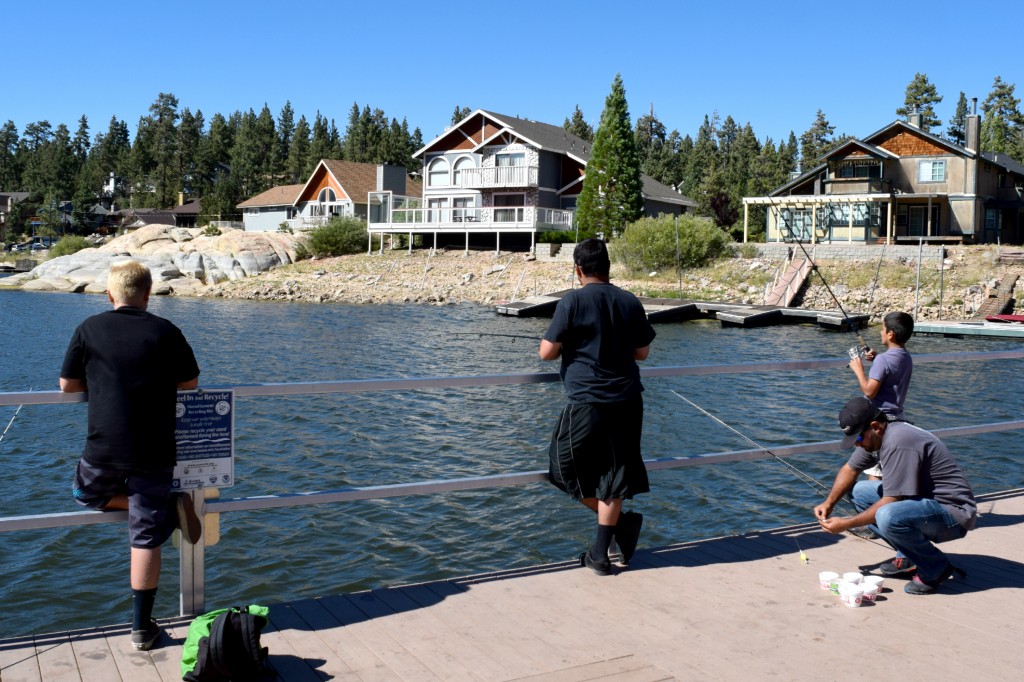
970, 328
733, 608
680, 310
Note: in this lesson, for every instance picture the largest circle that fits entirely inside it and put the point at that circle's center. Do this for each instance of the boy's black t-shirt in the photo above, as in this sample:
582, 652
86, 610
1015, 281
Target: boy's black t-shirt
599, 327
131, 362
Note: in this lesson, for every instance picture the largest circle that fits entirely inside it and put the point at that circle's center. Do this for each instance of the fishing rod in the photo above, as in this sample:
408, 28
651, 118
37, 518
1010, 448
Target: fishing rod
15, 416
863, 346
818, 486
507, 336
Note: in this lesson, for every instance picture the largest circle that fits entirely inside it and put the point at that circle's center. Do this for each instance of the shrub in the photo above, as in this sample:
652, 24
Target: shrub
557, 237
338, 237
650, 243
69, 245
747, 250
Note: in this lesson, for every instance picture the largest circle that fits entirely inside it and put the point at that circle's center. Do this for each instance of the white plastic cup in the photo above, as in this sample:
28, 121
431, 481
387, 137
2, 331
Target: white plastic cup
853, 577
876, 580
826, 577
870, 591
852, 595
836, 586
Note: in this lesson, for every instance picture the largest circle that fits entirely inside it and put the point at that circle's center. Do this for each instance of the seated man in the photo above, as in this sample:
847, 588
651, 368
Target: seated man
924, 498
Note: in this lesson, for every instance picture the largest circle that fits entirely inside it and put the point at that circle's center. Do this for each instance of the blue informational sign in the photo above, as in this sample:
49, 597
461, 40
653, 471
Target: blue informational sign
205, 435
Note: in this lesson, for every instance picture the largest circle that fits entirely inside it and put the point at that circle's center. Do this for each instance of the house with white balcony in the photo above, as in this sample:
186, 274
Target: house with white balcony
493, 177
334, 188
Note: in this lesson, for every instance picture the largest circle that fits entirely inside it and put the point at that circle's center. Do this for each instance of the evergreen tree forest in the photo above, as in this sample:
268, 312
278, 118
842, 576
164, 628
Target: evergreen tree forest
224, 159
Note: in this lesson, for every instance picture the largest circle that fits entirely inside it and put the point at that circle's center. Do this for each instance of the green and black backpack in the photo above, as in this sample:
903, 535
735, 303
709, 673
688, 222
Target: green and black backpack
224, 645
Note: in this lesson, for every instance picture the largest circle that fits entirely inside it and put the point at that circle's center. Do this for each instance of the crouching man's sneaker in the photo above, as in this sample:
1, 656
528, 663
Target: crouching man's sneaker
143, 640
898, 567
919, 586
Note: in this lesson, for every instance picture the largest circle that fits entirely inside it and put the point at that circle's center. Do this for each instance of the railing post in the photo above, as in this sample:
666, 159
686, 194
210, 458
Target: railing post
192, 589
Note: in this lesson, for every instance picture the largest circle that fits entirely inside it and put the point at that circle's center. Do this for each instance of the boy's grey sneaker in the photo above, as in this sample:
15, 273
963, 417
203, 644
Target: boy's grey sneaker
898, 567
143, 640
188, 520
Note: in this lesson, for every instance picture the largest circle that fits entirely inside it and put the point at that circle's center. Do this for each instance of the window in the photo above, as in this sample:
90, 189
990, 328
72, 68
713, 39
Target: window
437, 173
504, 211
932, 171
326, 195
510, 159
438, 209
992, 217
463, 210
464, 162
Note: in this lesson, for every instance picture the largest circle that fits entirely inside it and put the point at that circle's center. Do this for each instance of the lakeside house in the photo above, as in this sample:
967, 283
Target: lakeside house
492, 175
334, 188
901, 183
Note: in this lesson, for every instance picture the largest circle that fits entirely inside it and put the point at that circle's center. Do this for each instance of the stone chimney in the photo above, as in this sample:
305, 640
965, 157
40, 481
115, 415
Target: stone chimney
914, 117
972, 128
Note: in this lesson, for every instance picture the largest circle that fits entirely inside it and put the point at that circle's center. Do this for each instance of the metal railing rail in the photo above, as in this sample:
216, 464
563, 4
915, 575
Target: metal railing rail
192, 556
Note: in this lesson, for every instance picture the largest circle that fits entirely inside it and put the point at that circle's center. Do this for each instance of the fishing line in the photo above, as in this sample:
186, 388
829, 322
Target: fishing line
814, 267
807, 478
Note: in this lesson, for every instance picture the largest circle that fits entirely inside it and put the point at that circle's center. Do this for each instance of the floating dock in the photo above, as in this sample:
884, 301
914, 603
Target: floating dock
679, 310
971, 328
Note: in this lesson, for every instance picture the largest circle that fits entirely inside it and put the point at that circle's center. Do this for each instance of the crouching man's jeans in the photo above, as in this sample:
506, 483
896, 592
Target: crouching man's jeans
911, 526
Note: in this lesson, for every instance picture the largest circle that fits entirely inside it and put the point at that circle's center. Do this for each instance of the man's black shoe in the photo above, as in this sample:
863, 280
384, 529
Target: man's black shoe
599, 567
897, 567
627, 533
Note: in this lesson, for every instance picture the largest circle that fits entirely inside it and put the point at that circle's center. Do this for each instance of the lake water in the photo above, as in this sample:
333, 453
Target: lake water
78, 577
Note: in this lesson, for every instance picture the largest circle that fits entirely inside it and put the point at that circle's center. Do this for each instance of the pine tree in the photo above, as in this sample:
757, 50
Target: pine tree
190, 136
282, 146
319, 145
460, 113
957, 131
701, 158
298, 152
650, 136
578, 126
612, 194
162, 127
81, 143
9, 175
1001, 128
816, 141
921, 95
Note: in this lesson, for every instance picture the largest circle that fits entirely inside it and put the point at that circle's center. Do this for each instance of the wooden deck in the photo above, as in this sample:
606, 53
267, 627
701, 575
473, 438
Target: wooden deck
735, 608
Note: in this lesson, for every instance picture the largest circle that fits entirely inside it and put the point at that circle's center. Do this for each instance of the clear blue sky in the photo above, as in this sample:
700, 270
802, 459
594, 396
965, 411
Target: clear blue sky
767, 63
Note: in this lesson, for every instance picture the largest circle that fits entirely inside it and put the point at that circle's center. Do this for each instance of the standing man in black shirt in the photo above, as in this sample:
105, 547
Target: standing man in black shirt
600, 331
132, 364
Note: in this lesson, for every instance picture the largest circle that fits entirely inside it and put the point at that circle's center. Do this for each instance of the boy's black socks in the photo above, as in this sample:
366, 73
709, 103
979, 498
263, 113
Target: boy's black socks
599, 551
142, 607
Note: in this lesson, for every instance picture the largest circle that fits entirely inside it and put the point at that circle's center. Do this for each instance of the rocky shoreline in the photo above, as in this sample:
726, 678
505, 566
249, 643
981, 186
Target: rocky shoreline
263, 266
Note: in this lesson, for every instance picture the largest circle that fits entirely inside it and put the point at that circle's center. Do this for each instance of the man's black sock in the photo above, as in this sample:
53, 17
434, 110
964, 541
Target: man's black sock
599, 551
142, 607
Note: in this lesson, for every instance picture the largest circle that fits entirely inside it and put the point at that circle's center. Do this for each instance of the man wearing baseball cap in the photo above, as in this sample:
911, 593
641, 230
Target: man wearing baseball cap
924, 497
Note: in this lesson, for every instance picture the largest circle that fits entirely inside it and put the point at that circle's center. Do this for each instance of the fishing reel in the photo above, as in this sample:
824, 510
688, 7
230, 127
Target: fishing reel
856, 352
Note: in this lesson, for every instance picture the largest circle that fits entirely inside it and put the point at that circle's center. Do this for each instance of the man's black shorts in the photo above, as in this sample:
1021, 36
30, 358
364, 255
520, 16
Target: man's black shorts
151, 514
595, 450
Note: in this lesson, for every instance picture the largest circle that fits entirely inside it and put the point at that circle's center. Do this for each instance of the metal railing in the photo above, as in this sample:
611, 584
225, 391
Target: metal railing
192, 577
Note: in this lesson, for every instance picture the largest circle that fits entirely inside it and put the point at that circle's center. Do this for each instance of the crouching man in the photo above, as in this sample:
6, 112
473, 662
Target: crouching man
923, 498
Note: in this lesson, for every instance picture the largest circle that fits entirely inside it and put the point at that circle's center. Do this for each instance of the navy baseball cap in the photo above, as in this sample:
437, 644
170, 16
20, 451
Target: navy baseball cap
855, 417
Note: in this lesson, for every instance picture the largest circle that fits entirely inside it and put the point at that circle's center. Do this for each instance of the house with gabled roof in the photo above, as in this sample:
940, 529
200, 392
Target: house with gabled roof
499, 176
334, 188
901, 183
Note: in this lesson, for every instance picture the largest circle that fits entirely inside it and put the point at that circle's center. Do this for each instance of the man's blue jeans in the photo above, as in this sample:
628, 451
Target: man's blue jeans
911, 526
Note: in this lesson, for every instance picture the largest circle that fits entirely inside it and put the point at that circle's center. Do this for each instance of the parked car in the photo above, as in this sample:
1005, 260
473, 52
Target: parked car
39, 247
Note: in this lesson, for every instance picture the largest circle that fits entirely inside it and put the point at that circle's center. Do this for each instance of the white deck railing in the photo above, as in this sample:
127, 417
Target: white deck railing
496, 177
192, 587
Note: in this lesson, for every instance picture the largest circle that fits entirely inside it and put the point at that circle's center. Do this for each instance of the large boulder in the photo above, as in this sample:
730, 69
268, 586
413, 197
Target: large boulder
182, 260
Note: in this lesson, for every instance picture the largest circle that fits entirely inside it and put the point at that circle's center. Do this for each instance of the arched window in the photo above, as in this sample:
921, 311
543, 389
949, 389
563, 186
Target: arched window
327, 194
437, 173
464, 162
